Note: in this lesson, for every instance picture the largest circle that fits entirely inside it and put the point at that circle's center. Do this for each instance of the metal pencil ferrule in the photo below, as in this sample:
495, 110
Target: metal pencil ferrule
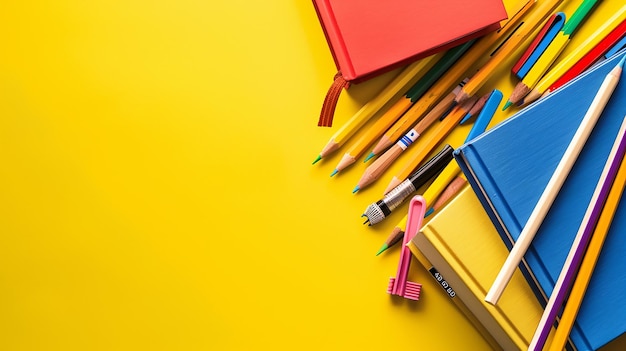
398, 194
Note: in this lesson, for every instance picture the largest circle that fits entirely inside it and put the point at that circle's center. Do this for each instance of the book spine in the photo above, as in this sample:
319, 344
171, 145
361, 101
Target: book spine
465, 157
334, 38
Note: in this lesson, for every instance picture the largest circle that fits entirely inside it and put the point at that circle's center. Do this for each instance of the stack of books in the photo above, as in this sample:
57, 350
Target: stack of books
508, 167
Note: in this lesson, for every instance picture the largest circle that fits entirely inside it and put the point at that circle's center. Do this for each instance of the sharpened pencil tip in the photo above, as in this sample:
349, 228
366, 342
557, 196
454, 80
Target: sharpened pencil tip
383, 248
319, 157
335, 171
356, 188
506, 105
429, 212
465, 118
621, 62
371, 154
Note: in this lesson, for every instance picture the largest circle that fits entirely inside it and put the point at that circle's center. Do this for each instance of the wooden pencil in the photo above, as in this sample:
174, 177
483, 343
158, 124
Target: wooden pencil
448, 193
406, 78
378, 167
554, 184
424, 147
384, 121
513, 43
588, 263
556, 72
478, 106
551, 53
591, 57
452, 77
581, 241
535, 47
396, 234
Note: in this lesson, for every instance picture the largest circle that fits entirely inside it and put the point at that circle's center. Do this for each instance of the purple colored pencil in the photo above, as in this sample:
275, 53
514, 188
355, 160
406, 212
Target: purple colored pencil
579, 246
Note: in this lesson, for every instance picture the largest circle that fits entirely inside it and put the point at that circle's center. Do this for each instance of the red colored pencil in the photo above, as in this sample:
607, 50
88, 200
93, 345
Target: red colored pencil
592, 56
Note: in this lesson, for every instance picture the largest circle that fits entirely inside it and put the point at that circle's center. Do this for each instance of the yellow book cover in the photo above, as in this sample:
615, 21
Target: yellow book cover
449, 290
465, 248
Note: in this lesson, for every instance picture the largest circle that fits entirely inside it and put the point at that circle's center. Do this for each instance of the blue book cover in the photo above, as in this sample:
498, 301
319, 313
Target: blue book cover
508, 168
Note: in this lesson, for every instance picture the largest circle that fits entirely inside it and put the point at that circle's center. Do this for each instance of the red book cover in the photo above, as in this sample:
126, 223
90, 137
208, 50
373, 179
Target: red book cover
370, 37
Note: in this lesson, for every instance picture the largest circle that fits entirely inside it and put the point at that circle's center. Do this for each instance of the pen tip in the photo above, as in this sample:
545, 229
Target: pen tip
507, 104
383, 248
335, 171
371, 154
356, 188
319, 157
429, 212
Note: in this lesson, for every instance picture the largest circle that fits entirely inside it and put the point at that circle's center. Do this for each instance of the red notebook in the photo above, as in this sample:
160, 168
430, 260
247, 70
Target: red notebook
371, 37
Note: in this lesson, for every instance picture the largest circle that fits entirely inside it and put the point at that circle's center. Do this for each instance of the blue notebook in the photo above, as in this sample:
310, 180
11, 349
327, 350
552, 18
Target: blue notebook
508, 168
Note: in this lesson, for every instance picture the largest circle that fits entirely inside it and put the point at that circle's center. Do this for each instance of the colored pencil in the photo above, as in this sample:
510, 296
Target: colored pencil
478, 106
554, 184
396, 234
608, 28
446, 183
453, 169
424, 147
589, 261
412, 95
406, 78
513, 43
581, 241
551, 53
447, 194
379, 127
453, 76
617, 47
592, 56
378, 167
550, 29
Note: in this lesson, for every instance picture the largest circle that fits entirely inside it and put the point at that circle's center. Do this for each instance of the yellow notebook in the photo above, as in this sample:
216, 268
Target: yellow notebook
452, 294
461, 243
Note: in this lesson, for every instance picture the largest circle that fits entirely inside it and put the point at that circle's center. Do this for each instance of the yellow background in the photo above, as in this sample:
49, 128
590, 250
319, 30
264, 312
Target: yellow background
156, 187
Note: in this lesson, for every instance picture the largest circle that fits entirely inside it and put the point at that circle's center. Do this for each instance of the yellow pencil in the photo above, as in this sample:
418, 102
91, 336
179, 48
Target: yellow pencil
447, 82
407, 77
570, 60
381, 164
589, 261
551, 53
386, 120
523, 32
536, 72
424, 147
